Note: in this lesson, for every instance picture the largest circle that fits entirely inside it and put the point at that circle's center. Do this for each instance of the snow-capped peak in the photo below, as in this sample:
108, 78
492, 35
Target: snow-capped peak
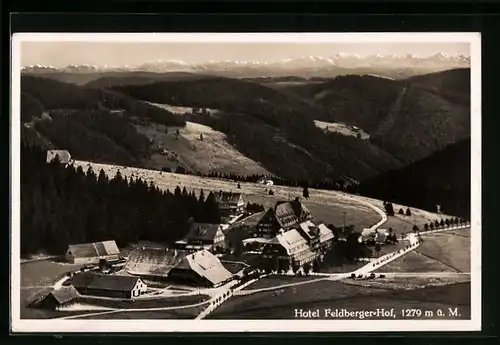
339, 59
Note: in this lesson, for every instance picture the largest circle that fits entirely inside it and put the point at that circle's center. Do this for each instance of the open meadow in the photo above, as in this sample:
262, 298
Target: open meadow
195, 143
322, 295
326, 206
439, 252
37, 278
452, 250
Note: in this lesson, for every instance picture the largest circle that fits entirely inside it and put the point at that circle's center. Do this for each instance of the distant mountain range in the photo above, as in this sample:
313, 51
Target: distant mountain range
308, 66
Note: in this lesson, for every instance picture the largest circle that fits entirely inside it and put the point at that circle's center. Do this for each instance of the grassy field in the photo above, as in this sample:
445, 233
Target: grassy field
275, 280
289, 298
37, 278
212, 154
348, 267
418, 217
326, 206
184, 313
415, 262
145, 303
460, 232
450, 249
281, 304
407, 283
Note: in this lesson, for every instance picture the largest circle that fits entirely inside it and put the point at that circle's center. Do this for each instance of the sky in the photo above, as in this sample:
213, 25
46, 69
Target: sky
61, 54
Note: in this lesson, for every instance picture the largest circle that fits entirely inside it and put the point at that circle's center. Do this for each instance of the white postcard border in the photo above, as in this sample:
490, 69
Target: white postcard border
136, 325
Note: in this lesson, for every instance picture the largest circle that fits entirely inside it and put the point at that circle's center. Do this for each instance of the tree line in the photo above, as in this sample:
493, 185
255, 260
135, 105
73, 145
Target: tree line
62, 206
338, 185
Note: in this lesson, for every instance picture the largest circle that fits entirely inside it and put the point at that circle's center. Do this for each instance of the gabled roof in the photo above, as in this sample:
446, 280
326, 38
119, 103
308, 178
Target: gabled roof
64, 294
309, 229
295, 245
96, 281
291, 240
206, 265
202, 231
155, 262
325, 233
88, 250
228, 197
285, 214
252, 220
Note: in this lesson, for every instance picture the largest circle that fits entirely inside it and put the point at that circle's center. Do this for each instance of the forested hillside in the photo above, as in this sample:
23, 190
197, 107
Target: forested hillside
441, 179
52, 94
410, 118
62, 206
92, 124
406, 120
271, 127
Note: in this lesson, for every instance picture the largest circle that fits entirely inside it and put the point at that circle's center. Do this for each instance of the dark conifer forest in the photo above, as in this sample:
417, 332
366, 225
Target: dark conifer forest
61, 206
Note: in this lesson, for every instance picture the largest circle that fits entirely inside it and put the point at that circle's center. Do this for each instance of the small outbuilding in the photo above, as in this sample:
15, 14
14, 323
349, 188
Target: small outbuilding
92, 253
59, 299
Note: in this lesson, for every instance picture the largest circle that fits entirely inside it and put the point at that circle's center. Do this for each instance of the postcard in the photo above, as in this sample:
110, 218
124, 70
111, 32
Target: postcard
261, 182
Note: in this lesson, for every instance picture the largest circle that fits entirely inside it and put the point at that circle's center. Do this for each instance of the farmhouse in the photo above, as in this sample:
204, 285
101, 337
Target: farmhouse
200, 269
230, 203
104, 285
59, 299
63, 155
92, 253
204, 236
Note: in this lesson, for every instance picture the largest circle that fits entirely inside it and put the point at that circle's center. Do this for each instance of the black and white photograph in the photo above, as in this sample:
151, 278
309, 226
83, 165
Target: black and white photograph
246, 182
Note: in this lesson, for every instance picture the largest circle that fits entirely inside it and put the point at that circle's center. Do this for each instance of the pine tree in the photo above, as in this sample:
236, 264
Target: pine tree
211, 210
408, 212
305, 192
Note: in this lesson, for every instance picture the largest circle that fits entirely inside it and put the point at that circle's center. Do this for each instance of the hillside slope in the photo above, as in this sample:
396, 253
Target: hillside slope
271, 127
441, 179
107, 126
198, 148
453, 85
410, 118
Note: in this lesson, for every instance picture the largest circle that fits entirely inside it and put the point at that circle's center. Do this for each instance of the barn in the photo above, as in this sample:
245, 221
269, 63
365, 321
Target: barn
59, 299
178, 266
154, 263
92, 253
105, 285
200, 269
63, 155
